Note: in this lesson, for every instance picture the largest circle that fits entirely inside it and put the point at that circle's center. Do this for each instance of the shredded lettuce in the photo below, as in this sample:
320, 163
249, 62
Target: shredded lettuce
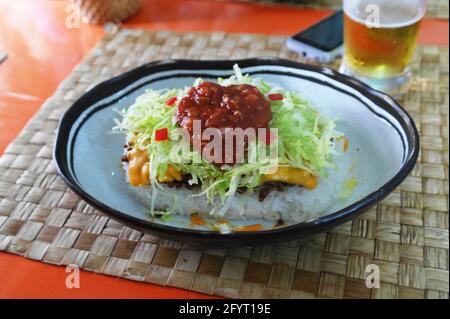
305, 138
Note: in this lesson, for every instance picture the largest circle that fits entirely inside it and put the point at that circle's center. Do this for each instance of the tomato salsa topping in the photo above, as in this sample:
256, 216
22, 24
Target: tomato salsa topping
162, 134
171, 101
216, 106
275, 97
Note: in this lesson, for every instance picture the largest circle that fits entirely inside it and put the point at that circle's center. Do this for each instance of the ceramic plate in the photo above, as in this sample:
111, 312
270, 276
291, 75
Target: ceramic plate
384, 142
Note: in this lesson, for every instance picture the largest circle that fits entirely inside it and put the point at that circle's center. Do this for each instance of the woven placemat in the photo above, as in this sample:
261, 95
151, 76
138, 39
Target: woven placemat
406, 235
435, 8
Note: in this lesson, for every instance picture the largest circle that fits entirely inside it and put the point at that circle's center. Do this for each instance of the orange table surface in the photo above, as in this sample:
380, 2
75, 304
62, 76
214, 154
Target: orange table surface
41, 53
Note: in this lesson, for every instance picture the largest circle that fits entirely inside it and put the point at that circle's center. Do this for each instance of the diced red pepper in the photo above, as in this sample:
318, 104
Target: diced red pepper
162, 135
275, 97
269, 137
171, 101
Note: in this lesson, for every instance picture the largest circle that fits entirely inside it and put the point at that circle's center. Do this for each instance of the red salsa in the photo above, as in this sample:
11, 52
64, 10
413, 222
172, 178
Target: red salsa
235, 106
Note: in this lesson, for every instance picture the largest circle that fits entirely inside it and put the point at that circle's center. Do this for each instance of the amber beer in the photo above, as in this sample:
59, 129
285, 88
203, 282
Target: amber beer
379, 40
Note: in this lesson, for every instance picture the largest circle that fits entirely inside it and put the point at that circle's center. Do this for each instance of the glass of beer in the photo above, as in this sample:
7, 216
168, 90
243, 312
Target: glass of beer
379, 41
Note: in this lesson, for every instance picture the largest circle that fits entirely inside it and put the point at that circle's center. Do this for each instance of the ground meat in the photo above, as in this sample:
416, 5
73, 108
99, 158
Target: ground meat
280, 222
183, 183
220, 107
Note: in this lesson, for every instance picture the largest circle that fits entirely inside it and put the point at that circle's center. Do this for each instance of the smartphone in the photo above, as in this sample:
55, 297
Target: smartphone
322, 41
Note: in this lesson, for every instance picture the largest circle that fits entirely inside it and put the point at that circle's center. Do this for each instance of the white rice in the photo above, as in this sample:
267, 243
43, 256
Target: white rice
293, 204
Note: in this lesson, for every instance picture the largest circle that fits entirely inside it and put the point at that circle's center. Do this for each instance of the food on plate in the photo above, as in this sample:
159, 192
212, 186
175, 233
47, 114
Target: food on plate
238, 148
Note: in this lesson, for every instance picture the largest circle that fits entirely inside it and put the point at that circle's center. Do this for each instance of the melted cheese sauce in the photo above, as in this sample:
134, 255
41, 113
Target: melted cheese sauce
346, 144
139, 173
139, 169
292, 175
172, 174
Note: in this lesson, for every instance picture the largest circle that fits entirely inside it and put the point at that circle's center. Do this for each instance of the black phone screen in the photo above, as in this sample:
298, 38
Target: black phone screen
325, 35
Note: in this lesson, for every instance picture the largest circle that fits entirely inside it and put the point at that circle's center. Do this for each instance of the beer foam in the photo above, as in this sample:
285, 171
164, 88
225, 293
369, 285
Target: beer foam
393, 14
